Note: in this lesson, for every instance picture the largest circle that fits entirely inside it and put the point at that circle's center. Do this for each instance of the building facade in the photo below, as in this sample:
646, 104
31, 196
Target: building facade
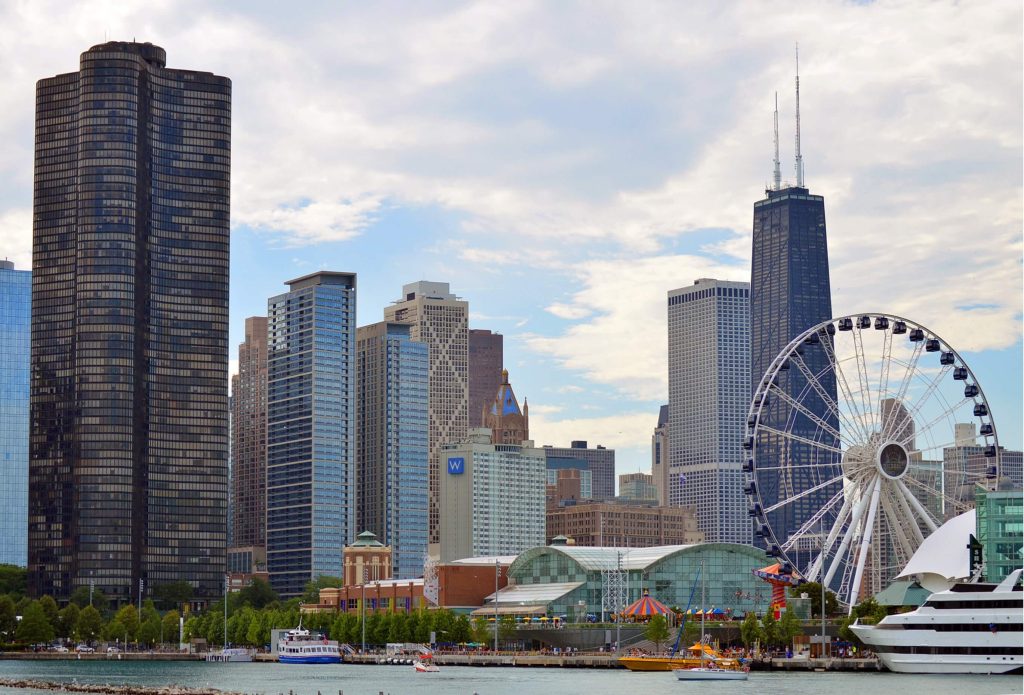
486, 359
599, 461
508, 423
249, 438
708, 393
392, 468
637, 487
491, 497
606, 524
789, 293
440, 320
999, 517
128, 426
15, 329
311, 485
568, 485
659, 455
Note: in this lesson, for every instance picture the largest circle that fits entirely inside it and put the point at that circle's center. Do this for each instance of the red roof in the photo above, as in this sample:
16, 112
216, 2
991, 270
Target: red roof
646, 606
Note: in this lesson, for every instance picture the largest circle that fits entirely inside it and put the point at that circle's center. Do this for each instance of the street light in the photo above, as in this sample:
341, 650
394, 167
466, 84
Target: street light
362, 610
497, 571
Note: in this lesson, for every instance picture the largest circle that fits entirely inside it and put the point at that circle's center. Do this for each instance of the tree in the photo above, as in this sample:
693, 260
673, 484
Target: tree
462, 631
172, 594
259, 594
149, 631
311, 594
169, 625
13, 580
8, 618
67, 618
770, 629
89, 624
813, 591
129, 619
80, 597
34, 628
750, 629
506, 628
657, 631
869, 611
49, 607
789, 627
482, 631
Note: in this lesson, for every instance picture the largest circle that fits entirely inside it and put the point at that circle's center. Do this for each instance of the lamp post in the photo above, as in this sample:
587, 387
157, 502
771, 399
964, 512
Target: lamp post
362, 610
497, 571
821, 579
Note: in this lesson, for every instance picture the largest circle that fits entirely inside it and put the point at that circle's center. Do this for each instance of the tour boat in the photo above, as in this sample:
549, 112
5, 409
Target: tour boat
300, 647
712, 671
969, 628
232, 654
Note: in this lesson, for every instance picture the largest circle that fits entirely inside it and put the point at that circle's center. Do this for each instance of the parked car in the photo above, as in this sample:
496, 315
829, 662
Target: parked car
60, 648
113, 650
84, 649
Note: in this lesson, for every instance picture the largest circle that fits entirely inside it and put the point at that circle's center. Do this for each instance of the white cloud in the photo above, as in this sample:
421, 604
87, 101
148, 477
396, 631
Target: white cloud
628, 430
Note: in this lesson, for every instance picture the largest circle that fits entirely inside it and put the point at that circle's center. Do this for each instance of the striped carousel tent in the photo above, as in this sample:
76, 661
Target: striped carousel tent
645, 607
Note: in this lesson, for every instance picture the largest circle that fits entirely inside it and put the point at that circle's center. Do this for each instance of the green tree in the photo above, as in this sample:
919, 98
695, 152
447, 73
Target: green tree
507, 628
258, 594
462, 631
80, 597
34, 628
789, 627
149, 630
657, 631
868, 611
169, 625
89, 624
67, 618
172, 595
8, 618
50, 608
813, 591
311, 594
193, 627
13, 580
482, 631
129, 619
770, 629
750, 629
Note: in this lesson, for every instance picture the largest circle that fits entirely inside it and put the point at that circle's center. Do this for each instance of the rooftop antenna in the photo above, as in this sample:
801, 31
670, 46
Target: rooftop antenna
778, 170
799, 157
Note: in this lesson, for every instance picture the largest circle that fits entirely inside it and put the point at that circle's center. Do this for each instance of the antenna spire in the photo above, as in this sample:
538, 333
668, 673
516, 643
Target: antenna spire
799, 157
777, 177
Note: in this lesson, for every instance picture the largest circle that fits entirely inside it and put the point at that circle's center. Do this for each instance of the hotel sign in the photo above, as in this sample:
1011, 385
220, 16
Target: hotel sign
456, 465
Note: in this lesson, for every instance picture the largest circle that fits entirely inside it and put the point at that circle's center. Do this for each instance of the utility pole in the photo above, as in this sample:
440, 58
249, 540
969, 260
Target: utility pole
362, 609
497, 571
618, 619
821, 578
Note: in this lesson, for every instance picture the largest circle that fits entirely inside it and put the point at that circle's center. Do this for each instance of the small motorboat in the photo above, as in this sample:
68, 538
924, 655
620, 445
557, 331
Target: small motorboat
425, 665
710, 673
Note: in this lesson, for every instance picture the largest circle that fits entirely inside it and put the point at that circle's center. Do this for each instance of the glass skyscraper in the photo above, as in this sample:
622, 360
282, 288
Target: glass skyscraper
129, 415
392, 440
789, 293
15, 326
311, 486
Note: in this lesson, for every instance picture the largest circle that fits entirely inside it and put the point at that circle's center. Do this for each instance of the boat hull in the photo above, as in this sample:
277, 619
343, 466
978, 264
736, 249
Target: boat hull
666, 663
311, 659
929, 663
706, 674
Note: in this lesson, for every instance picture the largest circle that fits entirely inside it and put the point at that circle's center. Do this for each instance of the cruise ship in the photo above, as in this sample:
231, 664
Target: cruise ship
970, 628
301, 647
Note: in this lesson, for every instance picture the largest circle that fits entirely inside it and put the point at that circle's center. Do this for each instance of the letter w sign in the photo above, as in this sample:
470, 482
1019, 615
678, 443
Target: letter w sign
456, 466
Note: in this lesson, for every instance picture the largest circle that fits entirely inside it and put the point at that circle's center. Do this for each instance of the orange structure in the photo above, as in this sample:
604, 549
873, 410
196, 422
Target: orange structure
779, 580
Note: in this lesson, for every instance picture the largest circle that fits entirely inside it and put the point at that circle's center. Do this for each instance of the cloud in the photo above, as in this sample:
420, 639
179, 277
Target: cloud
628, 430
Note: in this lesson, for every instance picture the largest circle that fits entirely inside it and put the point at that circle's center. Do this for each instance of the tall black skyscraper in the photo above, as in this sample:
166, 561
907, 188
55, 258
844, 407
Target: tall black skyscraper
128, 424
789, 293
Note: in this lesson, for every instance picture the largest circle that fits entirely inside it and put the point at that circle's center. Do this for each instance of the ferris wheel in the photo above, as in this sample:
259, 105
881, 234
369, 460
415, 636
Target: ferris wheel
865, 434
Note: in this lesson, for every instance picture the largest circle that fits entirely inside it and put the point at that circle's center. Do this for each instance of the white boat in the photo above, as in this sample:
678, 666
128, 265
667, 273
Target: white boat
708, 670
300, 647
232, 654
425, 666
970, 628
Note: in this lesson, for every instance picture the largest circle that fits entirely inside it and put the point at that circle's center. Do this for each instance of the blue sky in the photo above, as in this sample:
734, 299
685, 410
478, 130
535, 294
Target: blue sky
564, 165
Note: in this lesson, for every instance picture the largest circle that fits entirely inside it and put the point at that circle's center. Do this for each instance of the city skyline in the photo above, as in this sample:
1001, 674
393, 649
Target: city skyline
562, 185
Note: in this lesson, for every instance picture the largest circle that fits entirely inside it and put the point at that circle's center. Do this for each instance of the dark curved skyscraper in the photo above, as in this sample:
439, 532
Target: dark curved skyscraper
128, 431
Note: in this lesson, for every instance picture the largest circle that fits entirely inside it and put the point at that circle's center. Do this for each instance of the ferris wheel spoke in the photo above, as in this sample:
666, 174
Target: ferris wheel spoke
860, 357
844, 386
814, 519
911, 499
803, 440
899, 524
851, 531
940, 419
933, 386
957, 505
817, 569
830, 403
803, 493
883, 373
865, 542
797, 405
915, 527
793, 466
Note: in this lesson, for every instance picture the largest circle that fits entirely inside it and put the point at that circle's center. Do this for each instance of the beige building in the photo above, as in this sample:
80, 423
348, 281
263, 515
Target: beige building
637, 487
249, 438
659, 455
366, 560
441, 320
603, 524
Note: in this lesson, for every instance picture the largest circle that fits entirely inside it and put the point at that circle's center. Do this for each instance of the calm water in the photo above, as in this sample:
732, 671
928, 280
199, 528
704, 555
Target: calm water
272, 679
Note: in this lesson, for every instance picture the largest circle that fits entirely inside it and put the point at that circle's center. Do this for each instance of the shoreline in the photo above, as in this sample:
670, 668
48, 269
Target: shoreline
108, 689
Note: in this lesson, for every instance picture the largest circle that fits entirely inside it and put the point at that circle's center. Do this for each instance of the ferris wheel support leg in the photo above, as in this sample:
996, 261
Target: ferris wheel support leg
917, 506
865, 542
858, 512
816, 573
909, 515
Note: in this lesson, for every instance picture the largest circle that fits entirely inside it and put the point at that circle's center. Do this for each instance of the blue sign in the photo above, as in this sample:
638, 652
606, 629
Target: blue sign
456, 466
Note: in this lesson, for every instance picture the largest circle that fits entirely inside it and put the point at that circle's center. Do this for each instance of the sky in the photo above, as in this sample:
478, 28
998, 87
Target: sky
563, 165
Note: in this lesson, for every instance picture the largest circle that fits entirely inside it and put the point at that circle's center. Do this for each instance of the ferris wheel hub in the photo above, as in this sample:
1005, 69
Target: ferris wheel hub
893, 460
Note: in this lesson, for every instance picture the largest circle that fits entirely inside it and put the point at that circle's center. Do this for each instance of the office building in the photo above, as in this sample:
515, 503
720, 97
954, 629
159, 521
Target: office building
392, 468
15, 329
486, 355
638, 487
440, 320
249, 438
311, 393
790, 293
603, 524
129, 414
599, 461
568, 483
508, 423
659, 455
999, 520
964, 464
708, 393
491, 497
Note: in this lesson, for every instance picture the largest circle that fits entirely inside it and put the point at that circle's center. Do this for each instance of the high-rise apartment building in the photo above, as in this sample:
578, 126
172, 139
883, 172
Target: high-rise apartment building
311, 394
486, 360
708, 393
392, 468
441, 320
659, 455
599, 461
249, 438
492, 497
15, 328
637, 487
128, 426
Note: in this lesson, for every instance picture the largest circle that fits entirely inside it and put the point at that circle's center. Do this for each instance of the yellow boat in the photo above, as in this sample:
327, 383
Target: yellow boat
668, 663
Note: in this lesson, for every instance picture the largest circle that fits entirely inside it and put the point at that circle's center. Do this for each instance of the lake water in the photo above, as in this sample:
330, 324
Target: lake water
271, 679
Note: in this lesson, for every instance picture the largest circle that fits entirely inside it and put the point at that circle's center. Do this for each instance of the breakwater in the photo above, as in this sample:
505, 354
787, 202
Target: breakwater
107, 689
